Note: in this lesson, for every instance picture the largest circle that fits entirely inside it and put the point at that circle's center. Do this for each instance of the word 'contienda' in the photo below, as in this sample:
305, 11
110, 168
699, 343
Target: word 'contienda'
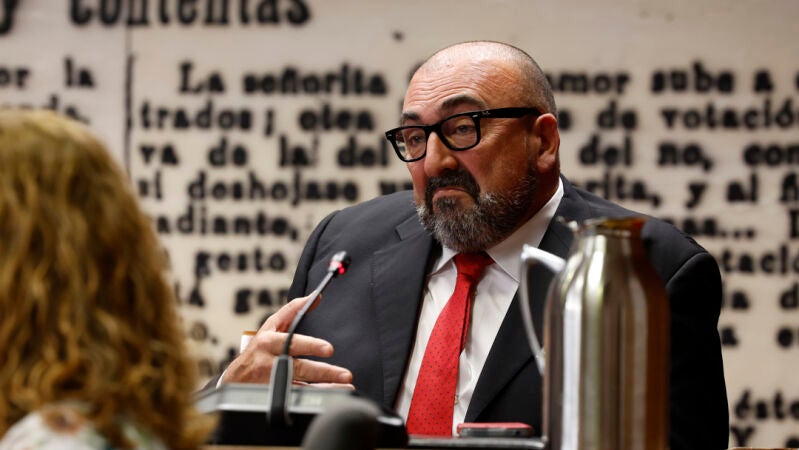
138, 13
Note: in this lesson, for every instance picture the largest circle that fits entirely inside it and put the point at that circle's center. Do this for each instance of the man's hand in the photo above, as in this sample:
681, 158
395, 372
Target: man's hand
254, 364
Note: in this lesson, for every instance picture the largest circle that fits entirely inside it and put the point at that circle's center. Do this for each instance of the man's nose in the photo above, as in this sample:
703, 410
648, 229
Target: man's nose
438, 157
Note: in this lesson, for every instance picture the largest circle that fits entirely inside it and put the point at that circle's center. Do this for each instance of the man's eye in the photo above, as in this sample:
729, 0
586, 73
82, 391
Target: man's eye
414, 139
463, 129
459, 126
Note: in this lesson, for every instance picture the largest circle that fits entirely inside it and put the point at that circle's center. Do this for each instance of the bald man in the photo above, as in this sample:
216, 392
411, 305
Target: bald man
479, 135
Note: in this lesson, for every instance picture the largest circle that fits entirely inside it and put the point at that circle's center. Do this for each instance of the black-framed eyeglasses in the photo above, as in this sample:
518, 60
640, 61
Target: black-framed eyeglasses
458, 132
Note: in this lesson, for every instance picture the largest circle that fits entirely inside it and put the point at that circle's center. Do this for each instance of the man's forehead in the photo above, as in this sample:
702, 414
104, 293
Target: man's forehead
448, 88
445, 106
482, 52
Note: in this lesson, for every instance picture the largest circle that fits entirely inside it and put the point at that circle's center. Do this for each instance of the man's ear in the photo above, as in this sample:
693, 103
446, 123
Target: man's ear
546, 129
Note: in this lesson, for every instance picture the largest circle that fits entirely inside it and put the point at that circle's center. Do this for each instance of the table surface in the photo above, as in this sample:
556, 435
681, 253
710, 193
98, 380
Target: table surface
238, 447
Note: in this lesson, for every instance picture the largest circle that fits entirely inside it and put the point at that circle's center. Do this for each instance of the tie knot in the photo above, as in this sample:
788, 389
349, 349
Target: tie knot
471, 265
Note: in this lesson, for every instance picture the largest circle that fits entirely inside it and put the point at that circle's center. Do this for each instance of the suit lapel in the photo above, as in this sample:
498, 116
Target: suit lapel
397, 286
510, 352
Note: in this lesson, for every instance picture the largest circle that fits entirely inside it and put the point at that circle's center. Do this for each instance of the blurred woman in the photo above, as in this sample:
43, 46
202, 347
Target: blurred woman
92, 351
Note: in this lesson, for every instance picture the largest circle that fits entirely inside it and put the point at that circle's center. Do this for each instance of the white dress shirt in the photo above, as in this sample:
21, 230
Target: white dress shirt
493, 296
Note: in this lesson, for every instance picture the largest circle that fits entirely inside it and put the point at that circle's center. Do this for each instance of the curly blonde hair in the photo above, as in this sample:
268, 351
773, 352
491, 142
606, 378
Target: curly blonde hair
87, 313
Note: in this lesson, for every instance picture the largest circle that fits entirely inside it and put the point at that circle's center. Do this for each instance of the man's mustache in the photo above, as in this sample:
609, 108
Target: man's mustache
460, 179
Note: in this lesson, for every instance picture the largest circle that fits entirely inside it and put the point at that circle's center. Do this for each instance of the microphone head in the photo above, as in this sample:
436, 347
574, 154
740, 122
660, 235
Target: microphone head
339, 263
351, 424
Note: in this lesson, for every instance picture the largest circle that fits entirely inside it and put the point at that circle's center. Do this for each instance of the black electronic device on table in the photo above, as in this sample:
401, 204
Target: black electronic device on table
242, 410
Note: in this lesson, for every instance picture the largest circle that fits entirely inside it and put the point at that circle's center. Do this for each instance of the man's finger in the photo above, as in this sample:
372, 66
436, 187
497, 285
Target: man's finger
281, 319
272, 342
320, 372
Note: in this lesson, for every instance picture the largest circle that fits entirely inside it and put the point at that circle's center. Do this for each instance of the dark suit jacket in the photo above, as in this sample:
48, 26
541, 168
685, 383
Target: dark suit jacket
370, 314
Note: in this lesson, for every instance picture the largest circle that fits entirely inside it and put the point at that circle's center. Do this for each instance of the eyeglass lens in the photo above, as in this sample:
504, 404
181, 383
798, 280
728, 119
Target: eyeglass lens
459, 132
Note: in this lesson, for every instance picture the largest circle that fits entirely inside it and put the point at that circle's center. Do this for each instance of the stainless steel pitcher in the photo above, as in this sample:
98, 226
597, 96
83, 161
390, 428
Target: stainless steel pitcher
606, 341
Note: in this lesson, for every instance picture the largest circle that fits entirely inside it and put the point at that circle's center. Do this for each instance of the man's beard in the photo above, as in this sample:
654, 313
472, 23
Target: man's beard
492, 218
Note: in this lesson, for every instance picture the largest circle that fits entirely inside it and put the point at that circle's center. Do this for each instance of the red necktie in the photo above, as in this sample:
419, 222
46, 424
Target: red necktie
434, 395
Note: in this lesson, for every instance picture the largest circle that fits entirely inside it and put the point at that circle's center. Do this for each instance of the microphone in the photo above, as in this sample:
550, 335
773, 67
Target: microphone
351, 424
282, 370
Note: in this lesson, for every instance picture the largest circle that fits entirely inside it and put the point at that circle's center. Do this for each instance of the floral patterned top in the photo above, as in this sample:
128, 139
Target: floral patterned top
64, 426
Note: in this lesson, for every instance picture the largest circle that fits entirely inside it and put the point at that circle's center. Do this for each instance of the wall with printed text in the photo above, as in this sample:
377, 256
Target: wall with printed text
242, 123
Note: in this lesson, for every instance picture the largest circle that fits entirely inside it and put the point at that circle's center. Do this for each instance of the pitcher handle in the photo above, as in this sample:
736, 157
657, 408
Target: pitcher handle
554, 263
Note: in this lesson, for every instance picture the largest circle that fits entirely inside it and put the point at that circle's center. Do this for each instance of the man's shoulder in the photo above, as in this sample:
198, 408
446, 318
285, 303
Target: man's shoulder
664, 241
372, 220
387, 208
599, 206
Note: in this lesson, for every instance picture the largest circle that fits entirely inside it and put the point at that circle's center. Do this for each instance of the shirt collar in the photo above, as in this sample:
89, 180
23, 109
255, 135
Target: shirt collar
507, 254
